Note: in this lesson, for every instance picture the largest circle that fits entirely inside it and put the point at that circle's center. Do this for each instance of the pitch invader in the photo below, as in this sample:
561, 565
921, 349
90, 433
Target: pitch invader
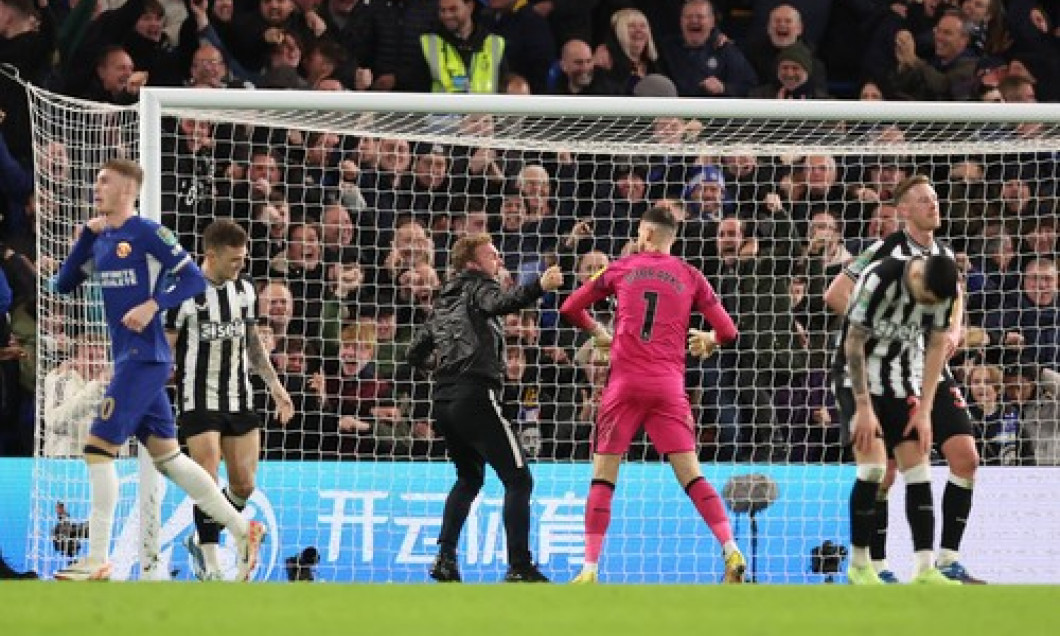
216, 345
918, 206
141, 270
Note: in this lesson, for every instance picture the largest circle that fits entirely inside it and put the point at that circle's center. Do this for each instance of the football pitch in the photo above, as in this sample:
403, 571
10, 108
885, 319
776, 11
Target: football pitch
206, 609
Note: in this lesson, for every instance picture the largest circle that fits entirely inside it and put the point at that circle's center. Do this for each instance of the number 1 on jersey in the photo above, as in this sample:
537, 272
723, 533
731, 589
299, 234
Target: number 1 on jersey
651, 300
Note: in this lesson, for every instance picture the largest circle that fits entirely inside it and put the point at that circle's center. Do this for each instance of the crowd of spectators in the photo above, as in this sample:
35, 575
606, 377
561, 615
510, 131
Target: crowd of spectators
350, 235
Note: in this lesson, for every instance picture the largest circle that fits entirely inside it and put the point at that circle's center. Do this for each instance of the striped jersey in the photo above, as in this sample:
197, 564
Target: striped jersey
899, 245
213, 373
899, 326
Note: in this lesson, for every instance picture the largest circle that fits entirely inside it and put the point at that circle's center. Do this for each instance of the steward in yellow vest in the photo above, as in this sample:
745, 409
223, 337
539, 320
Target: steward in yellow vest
461, 67
460, 55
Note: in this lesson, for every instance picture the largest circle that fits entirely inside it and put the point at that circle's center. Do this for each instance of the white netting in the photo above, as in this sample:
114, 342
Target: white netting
352, 216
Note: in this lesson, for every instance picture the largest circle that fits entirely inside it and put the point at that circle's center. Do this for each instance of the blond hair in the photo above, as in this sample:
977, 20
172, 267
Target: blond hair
464, 250
360, 332
620, 25
126, 168
907, 185
994, 376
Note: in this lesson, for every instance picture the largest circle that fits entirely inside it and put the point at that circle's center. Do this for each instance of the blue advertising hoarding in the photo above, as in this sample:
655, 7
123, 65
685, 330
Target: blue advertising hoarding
377, 521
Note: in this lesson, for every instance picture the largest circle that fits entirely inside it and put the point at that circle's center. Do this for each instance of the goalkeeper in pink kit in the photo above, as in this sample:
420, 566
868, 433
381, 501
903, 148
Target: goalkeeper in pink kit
656, 293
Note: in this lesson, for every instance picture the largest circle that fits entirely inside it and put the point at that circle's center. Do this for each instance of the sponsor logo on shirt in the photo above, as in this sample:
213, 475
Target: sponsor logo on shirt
118, 278
896, 331
209, 331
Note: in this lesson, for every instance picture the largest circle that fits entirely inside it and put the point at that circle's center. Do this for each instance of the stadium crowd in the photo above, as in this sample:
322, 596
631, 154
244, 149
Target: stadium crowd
350, 236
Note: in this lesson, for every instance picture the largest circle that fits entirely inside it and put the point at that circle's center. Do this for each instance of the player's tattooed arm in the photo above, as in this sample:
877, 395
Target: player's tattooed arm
262, 365
854, 348
259, 358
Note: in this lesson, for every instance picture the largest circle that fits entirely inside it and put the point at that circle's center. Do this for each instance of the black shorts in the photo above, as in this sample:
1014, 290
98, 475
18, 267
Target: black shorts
892, 413
194, 423
949, 413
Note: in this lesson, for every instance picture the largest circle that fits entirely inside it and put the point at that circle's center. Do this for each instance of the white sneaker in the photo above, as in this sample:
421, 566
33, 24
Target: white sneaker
213, 575
248, 547
154, 573
84, 570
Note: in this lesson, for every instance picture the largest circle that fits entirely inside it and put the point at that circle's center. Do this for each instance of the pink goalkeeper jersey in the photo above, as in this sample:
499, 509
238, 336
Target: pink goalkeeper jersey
656, 294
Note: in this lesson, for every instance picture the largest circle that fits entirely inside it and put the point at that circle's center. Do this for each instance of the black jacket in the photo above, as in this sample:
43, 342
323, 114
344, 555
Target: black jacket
465, 332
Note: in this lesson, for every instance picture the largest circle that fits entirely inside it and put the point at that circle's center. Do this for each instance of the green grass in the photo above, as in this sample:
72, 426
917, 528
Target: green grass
197, 609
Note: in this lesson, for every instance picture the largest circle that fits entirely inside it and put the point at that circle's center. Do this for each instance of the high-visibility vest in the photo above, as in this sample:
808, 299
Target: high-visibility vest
447, 66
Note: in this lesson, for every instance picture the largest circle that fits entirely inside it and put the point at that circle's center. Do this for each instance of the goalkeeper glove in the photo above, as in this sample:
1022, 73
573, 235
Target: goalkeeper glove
701, 344
602, 340
601, 344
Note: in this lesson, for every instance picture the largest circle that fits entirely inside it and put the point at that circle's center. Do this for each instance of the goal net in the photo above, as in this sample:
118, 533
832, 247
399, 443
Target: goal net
353, 201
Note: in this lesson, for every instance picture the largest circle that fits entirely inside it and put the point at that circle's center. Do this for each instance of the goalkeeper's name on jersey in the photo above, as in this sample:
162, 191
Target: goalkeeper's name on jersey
117, 278
646, 273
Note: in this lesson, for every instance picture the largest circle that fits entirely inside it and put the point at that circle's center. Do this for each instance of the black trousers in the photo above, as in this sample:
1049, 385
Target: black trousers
469, 417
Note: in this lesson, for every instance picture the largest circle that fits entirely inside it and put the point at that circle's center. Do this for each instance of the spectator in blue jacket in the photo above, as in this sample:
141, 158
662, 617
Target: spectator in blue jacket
577, 73
703, 62
1031, 318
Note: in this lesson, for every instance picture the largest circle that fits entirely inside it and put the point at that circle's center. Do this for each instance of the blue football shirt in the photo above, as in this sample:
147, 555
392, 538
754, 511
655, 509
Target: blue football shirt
129, 263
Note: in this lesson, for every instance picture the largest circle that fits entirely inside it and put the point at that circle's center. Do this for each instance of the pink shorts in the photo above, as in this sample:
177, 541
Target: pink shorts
667, 418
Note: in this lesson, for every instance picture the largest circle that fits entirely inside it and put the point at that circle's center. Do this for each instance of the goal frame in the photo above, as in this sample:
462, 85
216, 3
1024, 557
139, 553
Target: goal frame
154, 102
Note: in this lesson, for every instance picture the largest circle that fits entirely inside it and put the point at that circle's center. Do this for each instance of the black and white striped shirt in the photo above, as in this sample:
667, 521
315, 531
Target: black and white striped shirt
213, 373
899, 245
899, 326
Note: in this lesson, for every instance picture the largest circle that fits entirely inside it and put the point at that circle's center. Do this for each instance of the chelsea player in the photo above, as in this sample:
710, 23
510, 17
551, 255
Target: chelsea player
141, 270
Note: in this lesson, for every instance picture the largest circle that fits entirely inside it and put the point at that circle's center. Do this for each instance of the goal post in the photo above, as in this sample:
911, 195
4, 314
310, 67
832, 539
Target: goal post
367, 191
